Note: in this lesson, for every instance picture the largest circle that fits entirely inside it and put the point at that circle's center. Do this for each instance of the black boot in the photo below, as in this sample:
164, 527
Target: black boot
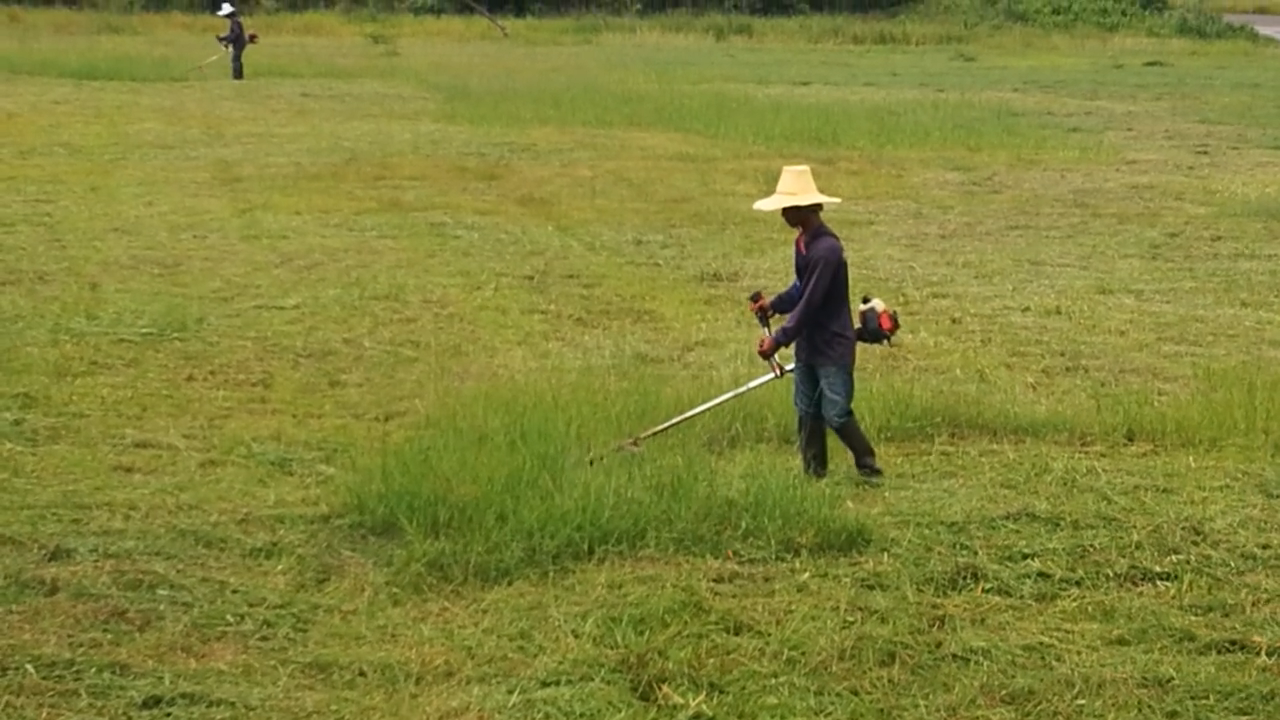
864, 455
813, 445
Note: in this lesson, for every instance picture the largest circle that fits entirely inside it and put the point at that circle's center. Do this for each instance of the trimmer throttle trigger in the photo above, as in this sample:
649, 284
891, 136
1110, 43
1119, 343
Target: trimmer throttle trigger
761, 315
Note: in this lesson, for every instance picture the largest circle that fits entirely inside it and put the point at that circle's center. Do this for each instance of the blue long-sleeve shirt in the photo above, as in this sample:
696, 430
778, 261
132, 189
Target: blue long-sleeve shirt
819, 316
235, 36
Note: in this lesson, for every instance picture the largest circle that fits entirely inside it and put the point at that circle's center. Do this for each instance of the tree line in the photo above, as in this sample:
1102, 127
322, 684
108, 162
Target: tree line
517, 8
1160, 17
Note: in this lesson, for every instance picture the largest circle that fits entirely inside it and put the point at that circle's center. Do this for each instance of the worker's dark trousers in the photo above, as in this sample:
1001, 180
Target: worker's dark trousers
237, 64
824, 398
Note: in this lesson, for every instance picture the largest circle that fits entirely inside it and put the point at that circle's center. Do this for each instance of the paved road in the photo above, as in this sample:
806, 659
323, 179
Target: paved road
1265, 24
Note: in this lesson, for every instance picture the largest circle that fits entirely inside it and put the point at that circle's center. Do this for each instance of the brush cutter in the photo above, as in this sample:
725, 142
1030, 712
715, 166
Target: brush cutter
634, 443
253, 40
200, 67
883, 326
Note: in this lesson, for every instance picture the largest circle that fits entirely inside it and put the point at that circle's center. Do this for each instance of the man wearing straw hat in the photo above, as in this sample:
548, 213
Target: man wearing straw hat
235, 39
820, 324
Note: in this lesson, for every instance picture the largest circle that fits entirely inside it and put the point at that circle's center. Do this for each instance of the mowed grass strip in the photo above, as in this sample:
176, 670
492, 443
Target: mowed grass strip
301, 376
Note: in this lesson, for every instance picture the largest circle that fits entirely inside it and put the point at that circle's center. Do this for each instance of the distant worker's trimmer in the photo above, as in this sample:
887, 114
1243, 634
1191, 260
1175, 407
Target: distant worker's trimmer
877, 325
200, 67
253, 40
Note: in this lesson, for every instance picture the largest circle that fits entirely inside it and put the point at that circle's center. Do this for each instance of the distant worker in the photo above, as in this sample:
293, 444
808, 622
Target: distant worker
235, 39
820, 323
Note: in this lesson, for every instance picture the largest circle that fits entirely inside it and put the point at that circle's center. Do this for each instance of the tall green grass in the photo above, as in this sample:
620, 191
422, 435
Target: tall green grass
751, 116
499, 484
496, 483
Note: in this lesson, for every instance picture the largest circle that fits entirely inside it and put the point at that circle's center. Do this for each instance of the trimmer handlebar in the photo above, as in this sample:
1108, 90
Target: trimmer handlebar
763, 317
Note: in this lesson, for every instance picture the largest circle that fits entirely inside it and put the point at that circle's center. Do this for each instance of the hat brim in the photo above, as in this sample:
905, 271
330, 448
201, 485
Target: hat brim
778, 202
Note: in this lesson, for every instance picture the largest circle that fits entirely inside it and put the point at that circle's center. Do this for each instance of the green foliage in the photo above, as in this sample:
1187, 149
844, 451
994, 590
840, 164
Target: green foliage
1157, 17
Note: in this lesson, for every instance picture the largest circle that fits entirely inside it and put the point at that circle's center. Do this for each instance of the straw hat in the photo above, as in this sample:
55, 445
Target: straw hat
226, 9
795, 189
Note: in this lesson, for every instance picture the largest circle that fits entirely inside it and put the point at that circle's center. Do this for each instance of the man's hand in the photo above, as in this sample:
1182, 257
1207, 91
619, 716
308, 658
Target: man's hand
761, 306
766, 348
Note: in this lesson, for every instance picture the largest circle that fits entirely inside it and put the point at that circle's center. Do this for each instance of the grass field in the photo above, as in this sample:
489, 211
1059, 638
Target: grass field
300, 375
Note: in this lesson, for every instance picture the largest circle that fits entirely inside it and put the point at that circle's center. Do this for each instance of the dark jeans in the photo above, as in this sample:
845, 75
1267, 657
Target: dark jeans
824, 399
826, 391
237, 64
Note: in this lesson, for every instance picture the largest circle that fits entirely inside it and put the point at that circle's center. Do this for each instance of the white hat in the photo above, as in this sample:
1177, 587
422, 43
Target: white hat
795, 189
226, 9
